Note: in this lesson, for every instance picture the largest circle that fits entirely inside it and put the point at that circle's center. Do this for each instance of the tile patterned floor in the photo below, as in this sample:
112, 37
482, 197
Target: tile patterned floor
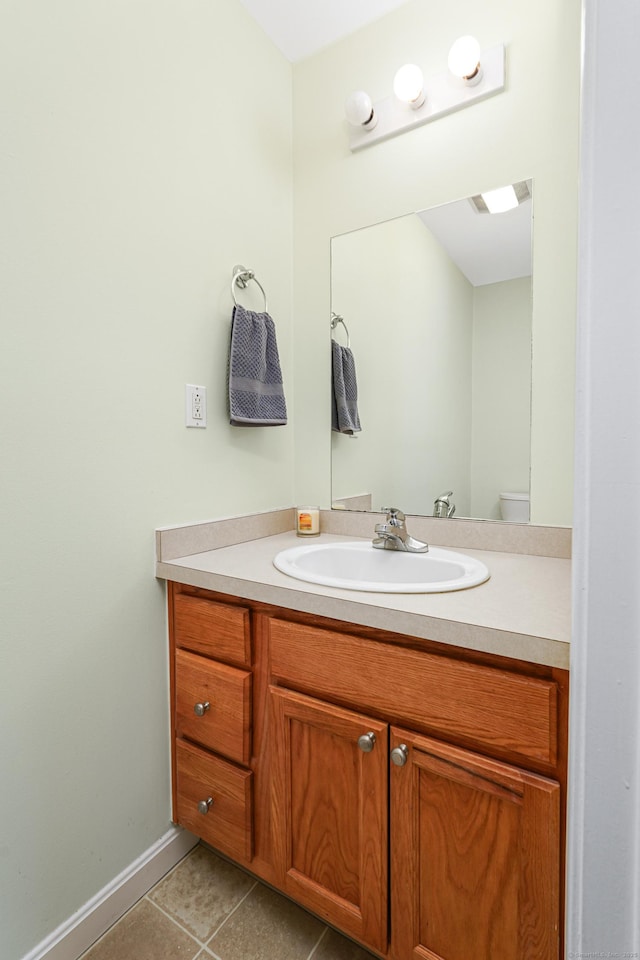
207, 908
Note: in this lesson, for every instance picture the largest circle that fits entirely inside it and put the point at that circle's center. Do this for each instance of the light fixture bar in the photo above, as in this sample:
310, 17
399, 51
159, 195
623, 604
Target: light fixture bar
444, 94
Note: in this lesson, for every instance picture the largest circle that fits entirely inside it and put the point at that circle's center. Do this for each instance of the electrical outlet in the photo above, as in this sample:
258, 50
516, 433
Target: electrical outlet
195, 405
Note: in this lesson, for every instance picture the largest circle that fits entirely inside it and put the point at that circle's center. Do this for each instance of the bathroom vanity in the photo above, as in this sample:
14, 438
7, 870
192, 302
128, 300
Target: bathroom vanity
409, 791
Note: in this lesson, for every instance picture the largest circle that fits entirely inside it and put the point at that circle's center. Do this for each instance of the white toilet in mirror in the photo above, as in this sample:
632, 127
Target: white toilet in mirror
514, 507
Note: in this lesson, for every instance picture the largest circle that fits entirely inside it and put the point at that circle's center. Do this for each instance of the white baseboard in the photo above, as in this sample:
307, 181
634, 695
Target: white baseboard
83, 928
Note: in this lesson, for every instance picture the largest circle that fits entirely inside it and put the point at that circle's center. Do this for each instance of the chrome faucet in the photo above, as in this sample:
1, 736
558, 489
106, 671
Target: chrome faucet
393, 535
442, 507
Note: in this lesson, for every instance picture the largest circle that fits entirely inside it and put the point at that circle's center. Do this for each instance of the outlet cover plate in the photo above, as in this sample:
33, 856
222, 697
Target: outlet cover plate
195, 405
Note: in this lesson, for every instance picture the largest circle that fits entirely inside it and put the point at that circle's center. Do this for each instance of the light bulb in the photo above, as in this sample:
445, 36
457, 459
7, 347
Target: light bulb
408, 85
359, 110
464, 59
500, 200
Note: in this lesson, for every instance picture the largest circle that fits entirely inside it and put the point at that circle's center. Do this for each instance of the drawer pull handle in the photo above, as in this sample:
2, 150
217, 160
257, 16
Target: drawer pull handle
367, 741
201, 708
400, 755
203, 805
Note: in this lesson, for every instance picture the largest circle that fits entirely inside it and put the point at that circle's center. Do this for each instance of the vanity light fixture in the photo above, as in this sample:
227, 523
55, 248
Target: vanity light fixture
359, 111
372, 122
408, 85
464, 60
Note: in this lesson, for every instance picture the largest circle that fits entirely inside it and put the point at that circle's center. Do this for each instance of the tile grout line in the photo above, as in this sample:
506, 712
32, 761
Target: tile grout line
145, 896
212, 953
318, 942
116, 923
173, 920
229, 915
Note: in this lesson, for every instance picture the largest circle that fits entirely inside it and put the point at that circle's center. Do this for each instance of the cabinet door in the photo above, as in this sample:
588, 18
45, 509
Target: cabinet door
475, 850
329, 810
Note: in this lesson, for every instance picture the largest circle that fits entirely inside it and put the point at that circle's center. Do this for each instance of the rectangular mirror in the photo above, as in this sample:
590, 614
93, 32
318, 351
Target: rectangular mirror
438, 309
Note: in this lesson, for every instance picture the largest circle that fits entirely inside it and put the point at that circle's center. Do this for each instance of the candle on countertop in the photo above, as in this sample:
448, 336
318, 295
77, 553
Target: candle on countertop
307, 521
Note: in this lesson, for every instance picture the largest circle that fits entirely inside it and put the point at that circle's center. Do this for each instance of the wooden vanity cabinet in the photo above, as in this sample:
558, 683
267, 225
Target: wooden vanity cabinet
409, 794
474, 842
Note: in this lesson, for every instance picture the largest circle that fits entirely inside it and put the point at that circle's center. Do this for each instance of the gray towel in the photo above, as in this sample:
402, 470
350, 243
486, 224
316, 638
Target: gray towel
344, 405
256, 395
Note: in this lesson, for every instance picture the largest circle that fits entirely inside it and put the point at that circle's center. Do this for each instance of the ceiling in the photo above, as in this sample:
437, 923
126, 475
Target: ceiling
487, 248
300, 28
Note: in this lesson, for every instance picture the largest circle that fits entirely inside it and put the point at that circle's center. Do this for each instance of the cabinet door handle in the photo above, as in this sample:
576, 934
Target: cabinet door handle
400, 755
203, 805
366, 742
201, 708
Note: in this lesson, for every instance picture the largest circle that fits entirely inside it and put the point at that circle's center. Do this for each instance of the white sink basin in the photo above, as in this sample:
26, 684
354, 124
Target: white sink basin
360, 566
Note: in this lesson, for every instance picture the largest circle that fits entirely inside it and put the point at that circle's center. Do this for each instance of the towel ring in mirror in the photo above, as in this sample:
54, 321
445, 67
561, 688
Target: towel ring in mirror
335, 320
241, 277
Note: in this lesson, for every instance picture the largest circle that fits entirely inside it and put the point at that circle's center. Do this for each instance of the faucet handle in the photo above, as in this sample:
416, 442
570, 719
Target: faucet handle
394, 515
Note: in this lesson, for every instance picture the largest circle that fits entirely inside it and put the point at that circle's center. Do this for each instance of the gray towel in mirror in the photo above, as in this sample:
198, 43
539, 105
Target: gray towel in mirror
344, 400
256, 393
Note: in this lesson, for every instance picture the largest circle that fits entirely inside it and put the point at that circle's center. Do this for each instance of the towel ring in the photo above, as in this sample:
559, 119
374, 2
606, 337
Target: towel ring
241, 276
335, 320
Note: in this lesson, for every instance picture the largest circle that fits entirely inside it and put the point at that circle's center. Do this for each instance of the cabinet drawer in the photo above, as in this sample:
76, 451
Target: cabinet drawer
225, 724
215, 629
227, 823
494, 708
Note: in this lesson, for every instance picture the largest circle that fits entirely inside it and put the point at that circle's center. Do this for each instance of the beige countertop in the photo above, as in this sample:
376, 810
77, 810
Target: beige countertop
523, 611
